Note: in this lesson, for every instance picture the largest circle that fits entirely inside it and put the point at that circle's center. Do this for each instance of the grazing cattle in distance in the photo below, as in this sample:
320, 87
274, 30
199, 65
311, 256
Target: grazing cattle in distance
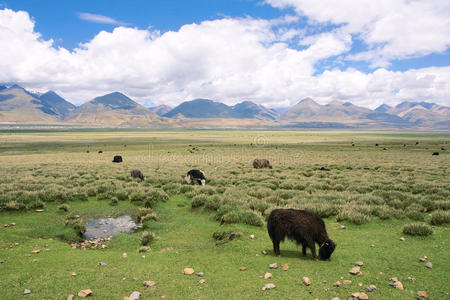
435, 153
324, 169
195, 176
100, 151
302, 226
117, 159
260, 163
136, 173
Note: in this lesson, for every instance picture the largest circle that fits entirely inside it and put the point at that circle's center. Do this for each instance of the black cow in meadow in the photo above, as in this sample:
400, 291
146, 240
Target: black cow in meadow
260, 163
302, 226
435, 153
100, 151
195, 176
117, 159
136, 173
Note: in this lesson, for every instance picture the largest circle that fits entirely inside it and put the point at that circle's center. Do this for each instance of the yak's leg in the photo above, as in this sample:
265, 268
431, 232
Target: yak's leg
276, 247
304, 249
312, 246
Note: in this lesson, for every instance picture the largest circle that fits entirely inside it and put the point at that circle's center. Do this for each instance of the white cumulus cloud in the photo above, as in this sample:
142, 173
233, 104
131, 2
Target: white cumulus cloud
228, 59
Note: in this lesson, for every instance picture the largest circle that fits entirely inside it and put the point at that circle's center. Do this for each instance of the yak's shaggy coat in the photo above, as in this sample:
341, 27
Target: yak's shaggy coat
195, 176
302, 226
260, 163
136, 173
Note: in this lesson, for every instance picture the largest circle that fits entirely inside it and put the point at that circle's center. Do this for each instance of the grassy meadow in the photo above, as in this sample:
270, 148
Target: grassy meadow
380, 185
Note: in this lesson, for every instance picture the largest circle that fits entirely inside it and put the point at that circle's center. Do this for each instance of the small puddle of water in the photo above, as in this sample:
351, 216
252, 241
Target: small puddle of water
106, 227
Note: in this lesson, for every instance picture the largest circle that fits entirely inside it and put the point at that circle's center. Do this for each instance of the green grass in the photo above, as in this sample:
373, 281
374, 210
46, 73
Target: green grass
374, 193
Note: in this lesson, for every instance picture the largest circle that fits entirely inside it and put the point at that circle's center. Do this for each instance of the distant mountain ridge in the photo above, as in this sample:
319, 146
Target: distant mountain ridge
205, 108
18, 105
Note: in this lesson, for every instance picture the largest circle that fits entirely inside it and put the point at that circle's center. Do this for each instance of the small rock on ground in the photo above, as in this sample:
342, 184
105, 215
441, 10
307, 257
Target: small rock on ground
335, 298
306, 281
354, 271
423, 259
337, 284
267, 275
268, 286
264, 252
135, 295
70, 297
26, 292
429, 265
188, 271
84, 293
285, 267
371, 288
347, 282
343, 227
200, 274
252, 236
273, 266
402, 239
398, 285
242, 268
422, 294
102, 264
363, 296
149, 283
202, 281
359, 263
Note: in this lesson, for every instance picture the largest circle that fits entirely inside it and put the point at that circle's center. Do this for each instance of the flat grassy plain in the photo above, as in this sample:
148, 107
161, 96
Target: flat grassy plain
372, 191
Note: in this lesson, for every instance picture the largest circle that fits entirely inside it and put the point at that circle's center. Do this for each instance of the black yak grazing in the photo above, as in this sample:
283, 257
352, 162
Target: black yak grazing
117, 159
136, 173
435, 153
195, 176
302, 226
260, 163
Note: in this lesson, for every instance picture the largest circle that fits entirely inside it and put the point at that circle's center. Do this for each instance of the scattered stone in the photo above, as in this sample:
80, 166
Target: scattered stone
252, 236
84, 293
26, 292
149, 283
360, 284
135, 295
143, 256
102, 264
324, 281
347, 282
372, 245
337, 284
411, 278
268, 286
422, 294
267, 275
363, 296
423, 259
335, 298
359, 263
264, 252
6, 225
285, 267
354, 271
39, 210
371, 288
402, 239
343, 227
12, 224
394, 279
397, 284
200, 274
35, 251
104, 246
124, 255
188, 271
273, 266
1, 261
242, 268
70, 297
306, 281
355, 295
429, 265
74, 274
202, 281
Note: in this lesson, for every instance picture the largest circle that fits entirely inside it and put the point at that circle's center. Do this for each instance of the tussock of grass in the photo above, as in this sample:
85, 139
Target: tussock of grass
417, 229
440, 217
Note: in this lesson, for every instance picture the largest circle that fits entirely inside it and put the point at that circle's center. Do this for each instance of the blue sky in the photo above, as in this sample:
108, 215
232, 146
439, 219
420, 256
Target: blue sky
328, 50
